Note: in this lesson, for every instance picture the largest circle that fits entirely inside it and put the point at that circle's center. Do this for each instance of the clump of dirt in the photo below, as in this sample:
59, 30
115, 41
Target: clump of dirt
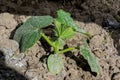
32, 64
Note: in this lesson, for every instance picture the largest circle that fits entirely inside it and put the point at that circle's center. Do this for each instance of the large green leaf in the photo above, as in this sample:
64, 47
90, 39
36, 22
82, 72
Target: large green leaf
65, 18
30, 32
29, 39
89, 56
55, 63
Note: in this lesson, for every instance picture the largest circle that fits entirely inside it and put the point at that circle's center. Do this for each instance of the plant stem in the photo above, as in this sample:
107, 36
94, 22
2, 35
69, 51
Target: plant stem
56, 50
48, 40
66, 50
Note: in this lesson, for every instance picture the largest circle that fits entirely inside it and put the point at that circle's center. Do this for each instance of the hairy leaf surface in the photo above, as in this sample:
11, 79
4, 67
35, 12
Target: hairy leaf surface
30, 32
65, 18
55, 63
89, 56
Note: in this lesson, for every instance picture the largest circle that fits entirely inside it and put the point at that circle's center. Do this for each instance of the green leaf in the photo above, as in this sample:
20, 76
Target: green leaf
67, 33
55, 63
57, 28
30, 32
89, 56
59, 43
63, 31
29, 39
65, 18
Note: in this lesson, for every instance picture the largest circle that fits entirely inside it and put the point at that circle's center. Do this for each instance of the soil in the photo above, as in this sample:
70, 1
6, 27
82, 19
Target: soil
90, 15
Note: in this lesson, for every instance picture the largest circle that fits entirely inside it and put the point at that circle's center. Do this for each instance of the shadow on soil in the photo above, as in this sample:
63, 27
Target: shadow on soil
116, 36
81, 62
7, 73
49, 7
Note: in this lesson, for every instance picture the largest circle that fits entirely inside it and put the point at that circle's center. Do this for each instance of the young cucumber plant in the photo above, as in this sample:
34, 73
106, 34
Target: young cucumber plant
65, 28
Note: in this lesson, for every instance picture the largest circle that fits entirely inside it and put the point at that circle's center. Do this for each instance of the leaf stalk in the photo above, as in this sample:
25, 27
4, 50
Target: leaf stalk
66, 50
48, 40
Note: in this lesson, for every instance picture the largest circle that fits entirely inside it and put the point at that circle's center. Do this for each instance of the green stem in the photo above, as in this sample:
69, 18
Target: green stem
56, 50
66, 50
48, 40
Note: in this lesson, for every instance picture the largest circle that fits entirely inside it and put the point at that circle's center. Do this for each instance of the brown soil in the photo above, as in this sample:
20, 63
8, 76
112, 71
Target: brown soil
88, 14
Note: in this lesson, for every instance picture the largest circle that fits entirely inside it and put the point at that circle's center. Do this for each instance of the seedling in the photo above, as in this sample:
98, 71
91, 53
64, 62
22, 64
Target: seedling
64, 28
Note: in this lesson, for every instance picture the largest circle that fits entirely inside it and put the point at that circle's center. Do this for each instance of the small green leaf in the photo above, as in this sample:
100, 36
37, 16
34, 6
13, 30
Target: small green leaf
65, 18
58, 27
55, 63
59, 43
89, 56
67, 33
30, 32
63, 31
